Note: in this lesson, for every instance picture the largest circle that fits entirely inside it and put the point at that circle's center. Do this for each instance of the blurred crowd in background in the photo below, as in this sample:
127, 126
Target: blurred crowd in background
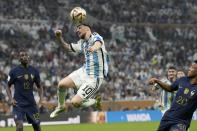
143, 38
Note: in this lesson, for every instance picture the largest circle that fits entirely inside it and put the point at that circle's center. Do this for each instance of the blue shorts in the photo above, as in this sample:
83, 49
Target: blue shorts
171, 126
29, 113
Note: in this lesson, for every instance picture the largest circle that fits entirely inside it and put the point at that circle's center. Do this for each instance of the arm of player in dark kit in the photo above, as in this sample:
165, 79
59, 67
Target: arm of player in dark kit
163, 85
40, 93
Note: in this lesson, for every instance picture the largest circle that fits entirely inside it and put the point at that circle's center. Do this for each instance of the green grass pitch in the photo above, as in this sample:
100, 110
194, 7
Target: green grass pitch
134, 126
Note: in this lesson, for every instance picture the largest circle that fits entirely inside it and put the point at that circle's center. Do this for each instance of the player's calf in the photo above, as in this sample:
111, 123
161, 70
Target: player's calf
19, 126
36, 127
98, 102
62, 85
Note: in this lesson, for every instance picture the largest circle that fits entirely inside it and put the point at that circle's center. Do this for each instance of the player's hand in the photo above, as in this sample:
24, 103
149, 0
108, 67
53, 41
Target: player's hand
160, 104
152, 81
152, 88
90, 49
14, 102
58, 33
40, 104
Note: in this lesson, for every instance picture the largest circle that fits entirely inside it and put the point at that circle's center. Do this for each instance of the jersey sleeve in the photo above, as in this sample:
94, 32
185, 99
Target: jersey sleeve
175, 85
37, 76
11, 78
98, 38
76, 47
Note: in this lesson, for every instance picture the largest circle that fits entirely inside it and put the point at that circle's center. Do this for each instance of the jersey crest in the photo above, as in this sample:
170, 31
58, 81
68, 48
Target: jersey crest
26, 76
186, 91
192, 93
32, 76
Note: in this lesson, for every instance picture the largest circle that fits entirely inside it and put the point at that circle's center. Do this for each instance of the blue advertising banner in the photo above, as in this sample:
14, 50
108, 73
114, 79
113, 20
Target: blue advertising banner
133, 116
136, 116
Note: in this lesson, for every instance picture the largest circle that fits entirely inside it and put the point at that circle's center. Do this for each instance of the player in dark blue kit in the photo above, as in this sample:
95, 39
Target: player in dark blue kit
178, 117
23, 78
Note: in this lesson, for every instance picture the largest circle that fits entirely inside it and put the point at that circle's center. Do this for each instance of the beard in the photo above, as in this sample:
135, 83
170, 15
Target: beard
24, 62
191, 75
83, 36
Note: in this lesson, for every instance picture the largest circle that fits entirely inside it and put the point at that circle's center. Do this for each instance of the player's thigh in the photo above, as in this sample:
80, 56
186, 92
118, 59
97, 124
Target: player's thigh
32, 115
86, 91
78, 77
178, 127
19, 114
89, 89
66, 82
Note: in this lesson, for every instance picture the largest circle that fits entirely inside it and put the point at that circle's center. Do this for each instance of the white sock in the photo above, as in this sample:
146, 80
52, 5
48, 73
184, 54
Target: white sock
61, 97
88, 103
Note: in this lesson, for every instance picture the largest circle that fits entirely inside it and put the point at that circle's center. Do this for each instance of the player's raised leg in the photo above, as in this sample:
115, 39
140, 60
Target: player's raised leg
62, 86
77, 101
86, 93
96, 102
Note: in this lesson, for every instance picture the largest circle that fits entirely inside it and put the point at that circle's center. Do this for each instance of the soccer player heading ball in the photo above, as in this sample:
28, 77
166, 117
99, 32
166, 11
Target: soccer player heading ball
89, 77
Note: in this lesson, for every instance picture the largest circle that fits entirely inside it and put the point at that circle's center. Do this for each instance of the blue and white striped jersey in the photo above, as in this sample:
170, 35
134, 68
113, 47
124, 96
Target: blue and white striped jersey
96, 63
167, 97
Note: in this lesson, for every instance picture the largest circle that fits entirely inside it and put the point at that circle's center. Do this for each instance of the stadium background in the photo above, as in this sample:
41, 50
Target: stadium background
143, 38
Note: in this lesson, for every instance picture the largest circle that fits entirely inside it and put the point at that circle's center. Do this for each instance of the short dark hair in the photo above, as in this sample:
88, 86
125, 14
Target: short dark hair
22, 50
181, 70
85, 24
172, 67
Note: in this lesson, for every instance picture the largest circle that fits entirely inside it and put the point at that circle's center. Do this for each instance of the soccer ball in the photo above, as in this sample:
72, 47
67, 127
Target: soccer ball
78, 15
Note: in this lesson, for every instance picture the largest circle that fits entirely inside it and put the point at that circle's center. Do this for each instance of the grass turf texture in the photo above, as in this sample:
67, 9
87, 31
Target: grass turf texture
134, 126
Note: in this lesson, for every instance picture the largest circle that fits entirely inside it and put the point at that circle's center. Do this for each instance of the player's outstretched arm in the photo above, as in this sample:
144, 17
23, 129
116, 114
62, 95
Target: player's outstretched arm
163, 85
61, 42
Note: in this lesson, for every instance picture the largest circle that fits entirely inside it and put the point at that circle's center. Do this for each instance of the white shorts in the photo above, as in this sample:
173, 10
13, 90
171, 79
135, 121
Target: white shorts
163, 111
87, 86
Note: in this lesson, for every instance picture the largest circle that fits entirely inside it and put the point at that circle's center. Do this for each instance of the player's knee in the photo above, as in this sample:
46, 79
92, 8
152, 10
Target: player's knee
75, 103
66, 83
62, 85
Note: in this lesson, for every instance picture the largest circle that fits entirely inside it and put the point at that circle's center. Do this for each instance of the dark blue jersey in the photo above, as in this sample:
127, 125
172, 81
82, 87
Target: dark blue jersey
185, 102
23, 81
